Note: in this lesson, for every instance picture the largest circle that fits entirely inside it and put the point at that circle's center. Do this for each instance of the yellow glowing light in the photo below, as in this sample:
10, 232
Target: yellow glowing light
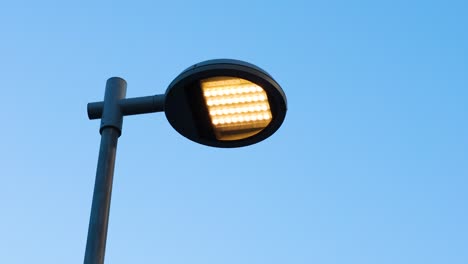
238, 108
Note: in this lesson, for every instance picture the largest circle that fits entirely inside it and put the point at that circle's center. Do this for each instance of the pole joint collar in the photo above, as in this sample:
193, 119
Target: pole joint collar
116, 89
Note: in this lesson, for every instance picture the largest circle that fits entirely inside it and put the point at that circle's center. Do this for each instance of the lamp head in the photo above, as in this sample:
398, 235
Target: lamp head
225, 103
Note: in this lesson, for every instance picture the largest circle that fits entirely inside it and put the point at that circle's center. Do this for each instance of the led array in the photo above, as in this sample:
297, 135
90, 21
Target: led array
235, 99
241, 118
237, 107
233, 90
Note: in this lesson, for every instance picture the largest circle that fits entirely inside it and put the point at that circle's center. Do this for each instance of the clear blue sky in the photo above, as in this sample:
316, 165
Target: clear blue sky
370, 165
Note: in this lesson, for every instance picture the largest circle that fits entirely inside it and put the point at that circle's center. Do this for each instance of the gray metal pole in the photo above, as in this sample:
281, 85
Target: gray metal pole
111, 127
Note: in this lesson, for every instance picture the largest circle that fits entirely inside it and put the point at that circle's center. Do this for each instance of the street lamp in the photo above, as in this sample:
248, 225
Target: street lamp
219, 103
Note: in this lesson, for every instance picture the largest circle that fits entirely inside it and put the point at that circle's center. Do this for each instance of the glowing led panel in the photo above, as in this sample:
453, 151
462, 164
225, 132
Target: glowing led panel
238, 108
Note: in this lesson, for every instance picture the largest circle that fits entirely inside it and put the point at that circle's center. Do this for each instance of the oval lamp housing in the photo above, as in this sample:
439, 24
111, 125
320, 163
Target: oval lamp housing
225, 103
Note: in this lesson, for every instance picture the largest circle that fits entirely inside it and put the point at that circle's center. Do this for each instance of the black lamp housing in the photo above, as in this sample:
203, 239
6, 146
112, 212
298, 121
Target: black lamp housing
186, 110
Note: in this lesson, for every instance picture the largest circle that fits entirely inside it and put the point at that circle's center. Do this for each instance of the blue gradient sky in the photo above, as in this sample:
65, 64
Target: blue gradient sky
370, 165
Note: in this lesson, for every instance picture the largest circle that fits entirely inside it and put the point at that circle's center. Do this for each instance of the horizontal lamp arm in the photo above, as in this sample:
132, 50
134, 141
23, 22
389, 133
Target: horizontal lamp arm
131, 106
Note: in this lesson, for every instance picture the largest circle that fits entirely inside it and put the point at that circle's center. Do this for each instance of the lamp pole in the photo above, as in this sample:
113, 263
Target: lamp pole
111, 128
111, 112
